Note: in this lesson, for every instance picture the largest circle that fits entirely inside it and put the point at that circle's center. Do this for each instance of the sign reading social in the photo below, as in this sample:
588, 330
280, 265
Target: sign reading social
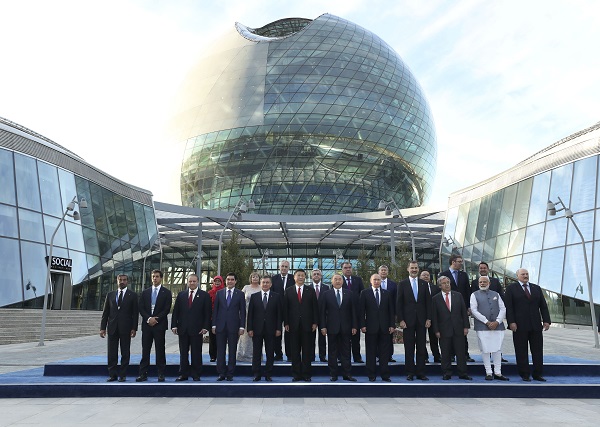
61, 264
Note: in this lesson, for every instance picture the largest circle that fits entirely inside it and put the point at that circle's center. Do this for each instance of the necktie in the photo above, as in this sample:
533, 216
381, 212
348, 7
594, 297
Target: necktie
384, 284
414, 288
154, 295
317, 290
527, 294
190, 299
228, 297
377, 296
447, 302
349, 283
299, 296
339, 298
265, 300
455, 275
120, 300
284, 280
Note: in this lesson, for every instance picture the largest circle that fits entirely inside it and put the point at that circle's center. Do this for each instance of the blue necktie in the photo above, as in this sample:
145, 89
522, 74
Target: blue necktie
228, 297
414, 288
377, 296
339, 298
154, 295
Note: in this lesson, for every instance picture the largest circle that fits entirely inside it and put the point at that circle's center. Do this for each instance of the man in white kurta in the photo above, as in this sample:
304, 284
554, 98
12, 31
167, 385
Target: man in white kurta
488, 310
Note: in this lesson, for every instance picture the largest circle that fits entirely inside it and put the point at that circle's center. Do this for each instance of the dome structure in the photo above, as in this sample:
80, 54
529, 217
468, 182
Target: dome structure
305, 117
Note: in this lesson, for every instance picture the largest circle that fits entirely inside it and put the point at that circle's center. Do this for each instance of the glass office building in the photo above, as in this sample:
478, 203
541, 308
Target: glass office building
305, 117
505, 222
116, 232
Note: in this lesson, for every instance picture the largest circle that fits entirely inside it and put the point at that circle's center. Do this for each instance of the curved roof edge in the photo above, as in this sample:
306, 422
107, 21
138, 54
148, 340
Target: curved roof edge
251, 33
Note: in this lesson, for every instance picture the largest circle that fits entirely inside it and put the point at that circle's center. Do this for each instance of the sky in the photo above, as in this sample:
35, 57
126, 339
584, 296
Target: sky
504, 79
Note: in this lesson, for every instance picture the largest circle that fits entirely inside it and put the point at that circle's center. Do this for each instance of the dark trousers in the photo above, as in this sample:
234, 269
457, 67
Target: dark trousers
212, 345
535, 340
301, 351
157, 336
114, 340
286, 341
356, 346
415, 337
322, 343
339, 348
226, 341
193, 343
434, 345
457, 343
257, 345
377, 344
391, 345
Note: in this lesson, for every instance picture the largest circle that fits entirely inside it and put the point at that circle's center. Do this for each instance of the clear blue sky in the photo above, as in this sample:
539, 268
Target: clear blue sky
504, 79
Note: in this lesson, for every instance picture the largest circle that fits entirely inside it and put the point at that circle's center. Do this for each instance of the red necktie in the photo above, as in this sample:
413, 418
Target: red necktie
190, 299
527, 294
447, 302
349, 283
317, 290
299, 296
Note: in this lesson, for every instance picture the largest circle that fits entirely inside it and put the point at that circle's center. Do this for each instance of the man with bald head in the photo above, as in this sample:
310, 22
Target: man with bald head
527, 316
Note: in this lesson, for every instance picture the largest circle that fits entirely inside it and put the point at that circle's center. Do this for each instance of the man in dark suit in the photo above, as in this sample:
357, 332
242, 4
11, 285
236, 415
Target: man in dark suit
155, 304
376, 319
389, 285
459, 281
337, 320
451, 324
300, 317
228, 323
354, 284
280, 282
433, 341
264, 324
190, 321
320, 289
413, 308
120, 316
484, 270
527, 316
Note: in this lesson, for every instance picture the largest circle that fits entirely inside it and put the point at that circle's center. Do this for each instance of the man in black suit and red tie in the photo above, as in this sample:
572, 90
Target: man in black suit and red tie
450, 323
155, 304
337, 320
354, 284
300, 317
413, 308
376, 319
190, 321
280, 282
120, 318
459, 281
389, 285
265, 318
228, 324
320, 289
527, 316
433, 341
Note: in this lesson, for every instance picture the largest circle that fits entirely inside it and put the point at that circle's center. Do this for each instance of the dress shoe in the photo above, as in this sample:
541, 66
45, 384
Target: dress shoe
213, 360
526, 378
221, 378
372, 379
409, 378
501, 377
503, 360
437, 360
386, 379
539, 378
359, 360
141, 378
422, 378
333, 379
470, 359
256, 379
229, 378
392, 360
111, 379
278, 358
295, 379
489, 378
181, 378
308, 379
196, 378
446, 377
349, 378
465, 377
122, 379
323, 359
269, 379
161, 378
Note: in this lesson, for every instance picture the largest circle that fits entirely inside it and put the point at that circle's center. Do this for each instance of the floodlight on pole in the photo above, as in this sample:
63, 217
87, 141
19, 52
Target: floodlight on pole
391, 208
240, 207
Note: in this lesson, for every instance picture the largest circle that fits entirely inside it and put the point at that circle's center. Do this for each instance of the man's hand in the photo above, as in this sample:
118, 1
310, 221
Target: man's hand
546, 326
203, 331
364, 329
152, 321
241, 332
392, 329
102, 333
214, 329
132, 333
287, 328
250, 334
354, 331
314, 327
492, 325
513, 327
174, 330
466, 331
437, 335
324, 331
428, 323
278, 333
403, 324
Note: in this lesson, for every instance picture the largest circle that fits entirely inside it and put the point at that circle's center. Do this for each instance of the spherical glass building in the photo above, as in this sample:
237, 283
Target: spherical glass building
304, 117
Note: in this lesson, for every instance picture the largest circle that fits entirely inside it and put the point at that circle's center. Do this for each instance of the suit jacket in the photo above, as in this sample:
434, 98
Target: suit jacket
463, 286
413, 312
337, 319
261, 320
357, 286
191, 320
434, 289
494, 286
277, 283
300, 316
392, 288
377, 319
449, 322
164, 300
229, 319
527, 313
120, 320
322, 288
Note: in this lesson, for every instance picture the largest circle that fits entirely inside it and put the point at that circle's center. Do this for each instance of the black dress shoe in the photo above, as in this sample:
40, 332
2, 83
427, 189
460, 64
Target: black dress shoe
196, 378
296, 379
409, 378
269, 379
221, 378
213, 360
489, 377
387, 379
181, 378
278, 358
539, 378
446, 377
111, 379
437, 360
349, 378
372, 379
256, 379
501, 377
470, 359
465, 377
122, 379
161, 378
229, 378
333, 379
141, 378
526, 378
323, 359
503, 360
392, 360
359, 360
308, 379
422, 378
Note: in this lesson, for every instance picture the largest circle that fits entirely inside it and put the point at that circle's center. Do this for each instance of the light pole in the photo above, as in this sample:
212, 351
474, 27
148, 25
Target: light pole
339, 254
265, 255
239, 209
75, 215
569, 215
395, 212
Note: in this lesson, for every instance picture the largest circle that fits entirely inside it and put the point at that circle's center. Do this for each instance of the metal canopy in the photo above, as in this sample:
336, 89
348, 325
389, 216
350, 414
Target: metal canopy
181, 227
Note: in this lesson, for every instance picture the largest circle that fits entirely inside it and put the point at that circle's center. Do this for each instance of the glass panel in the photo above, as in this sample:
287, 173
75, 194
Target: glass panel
10, 265
585, 222
91, 241
495, 213
142, 229
67, 189
461, 224
488, 249
512, 265
83, 191
534, 237
150, 223
120, 217
482, 221
51, 202
111, 215
8, 221
522, 204
50, 224
80, 271
556, 233
508, 208
477, 252
7, 178
551, 269
467, 253
515, 244
575, 280
450, 225
539, 198
75, 236
596, 272
30, 226
561, 182
34, 268
584, 197
472, 222
531, 262
28, 193
130, 218
501, 246
98, 208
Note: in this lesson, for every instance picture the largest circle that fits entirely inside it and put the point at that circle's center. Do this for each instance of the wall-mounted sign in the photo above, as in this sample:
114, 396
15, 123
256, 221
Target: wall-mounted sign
61, 264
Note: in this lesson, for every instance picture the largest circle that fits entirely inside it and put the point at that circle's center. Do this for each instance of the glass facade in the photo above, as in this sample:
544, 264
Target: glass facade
305, 117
